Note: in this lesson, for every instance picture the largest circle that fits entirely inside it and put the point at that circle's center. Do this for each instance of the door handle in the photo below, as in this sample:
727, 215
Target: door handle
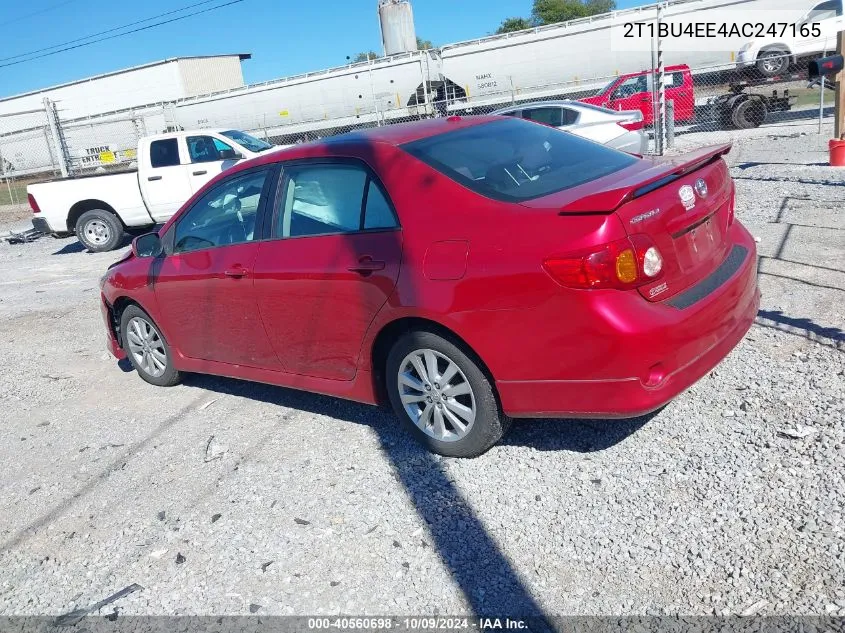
645, 98
236, 273
366, 266
154, 178
200, 173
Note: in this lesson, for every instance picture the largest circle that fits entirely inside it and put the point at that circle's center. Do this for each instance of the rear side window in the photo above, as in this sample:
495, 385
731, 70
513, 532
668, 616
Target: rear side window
164, 153
326, 199
547, 116
514, 160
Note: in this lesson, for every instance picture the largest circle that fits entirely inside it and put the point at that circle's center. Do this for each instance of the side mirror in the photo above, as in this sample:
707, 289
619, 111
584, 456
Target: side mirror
147, 245
230, 154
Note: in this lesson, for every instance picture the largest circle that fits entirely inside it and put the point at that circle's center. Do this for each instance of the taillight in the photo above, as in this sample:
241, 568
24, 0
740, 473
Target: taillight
633, 126
33, 204
623, 264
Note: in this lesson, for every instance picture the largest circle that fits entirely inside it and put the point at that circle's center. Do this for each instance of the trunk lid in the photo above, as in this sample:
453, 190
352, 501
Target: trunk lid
664, 198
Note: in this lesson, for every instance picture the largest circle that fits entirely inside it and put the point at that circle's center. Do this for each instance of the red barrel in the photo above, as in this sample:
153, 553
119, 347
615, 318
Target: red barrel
837, 152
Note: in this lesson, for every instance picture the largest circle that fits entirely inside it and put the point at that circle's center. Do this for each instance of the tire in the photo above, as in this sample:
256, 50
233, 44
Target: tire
147, 359
443, 408
749, 114
772, 63
99, 230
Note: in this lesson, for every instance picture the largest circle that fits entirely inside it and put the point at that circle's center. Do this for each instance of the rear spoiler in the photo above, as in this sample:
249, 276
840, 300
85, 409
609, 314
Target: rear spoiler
665, 171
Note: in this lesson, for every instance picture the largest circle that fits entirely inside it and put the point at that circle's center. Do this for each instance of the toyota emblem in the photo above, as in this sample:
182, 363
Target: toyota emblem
701, 187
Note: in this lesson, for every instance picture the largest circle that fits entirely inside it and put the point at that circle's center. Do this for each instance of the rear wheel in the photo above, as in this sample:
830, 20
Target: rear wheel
99, 230
146, 348
771, 63
441, 395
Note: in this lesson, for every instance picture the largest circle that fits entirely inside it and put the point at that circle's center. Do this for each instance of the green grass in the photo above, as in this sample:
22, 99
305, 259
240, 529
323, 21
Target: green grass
18, 193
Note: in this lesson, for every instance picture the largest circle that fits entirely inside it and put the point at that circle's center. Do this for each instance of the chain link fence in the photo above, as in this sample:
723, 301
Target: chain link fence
704, 105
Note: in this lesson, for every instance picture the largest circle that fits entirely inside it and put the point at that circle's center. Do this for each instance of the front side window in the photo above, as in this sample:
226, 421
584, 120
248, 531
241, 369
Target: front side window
206, 149
164, 153
225, 215
631, 86
513, 160
326, 199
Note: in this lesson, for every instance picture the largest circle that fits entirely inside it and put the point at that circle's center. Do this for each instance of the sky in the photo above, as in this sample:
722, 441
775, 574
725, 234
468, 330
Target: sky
285, 37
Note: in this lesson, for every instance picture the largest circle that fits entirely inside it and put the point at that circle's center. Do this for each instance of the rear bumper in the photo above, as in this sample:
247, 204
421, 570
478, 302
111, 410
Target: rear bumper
673, 357
41, 224
111, 340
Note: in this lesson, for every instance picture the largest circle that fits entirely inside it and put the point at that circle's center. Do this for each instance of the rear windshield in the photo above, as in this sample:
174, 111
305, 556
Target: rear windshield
515, 160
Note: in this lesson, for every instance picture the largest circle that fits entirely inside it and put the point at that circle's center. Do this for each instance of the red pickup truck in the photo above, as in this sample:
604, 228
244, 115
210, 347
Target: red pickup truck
634, 92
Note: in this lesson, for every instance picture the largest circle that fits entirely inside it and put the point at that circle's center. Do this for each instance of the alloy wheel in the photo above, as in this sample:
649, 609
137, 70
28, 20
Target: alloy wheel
146, 346
436, 395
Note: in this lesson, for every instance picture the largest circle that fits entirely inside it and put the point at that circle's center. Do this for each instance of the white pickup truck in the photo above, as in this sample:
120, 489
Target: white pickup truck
100, 208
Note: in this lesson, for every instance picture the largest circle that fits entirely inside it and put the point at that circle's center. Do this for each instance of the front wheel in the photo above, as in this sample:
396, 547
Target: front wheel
771, 63
146, 348
99, 230
442, 396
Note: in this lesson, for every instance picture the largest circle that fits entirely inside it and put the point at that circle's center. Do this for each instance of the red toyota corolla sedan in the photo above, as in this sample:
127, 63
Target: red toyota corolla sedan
466, 270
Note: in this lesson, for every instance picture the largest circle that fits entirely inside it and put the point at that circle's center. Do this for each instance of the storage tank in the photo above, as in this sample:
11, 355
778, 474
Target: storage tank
396, 19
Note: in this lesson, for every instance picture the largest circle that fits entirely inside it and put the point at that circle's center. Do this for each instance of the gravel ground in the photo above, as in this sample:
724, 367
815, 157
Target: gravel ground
226, 497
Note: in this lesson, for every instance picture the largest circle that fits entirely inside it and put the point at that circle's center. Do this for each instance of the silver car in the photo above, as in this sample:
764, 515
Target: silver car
620, 130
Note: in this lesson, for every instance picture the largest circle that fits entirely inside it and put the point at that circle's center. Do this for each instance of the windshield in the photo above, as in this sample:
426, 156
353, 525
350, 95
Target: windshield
823, 11
515, 160
245, 140
608, 86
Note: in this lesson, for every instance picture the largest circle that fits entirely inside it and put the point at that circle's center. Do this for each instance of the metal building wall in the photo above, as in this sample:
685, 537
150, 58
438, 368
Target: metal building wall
105, 93
203, 75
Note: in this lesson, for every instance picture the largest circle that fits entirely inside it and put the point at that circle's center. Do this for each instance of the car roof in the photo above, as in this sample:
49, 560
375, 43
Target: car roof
356, 142
540, 104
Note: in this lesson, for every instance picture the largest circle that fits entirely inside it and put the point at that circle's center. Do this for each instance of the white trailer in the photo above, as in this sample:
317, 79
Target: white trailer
368, 92
576, 56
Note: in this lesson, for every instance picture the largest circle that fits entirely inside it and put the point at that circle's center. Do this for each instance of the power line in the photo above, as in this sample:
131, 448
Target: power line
34, 13
112, 30
111, 37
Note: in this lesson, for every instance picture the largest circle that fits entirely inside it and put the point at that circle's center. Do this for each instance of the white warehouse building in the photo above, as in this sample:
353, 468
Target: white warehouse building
157, 82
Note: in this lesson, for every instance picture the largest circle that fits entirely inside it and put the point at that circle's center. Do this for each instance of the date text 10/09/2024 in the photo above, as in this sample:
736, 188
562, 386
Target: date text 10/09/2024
417, 624
747, 30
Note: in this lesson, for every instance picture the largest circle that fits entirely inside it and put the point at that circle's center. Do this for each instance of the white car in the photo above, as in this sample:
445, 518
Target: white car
812, 36
619, 130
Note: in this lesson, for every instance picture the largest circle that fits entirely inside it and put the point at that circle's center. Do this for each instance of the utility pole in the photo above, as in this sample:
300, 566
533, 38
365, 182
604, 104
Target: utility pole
839, 99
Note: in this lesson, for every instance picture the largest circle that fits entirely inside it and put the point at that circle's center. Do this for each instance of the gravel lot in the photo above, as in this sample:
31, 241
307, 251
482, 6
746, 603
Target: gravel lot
226, 497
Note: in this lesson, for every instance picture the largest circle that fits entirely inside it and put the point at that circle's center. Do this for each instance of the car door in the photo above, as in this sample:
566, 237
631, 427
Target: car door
330, 266
164, 179
634, 94
204, 285
209, 156
680, 94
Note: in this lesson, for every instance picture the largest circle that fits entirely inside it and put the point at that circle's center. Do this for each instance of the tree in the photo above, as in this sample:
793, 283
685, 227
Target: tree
424, 45
509, 25
363, 57
551, 11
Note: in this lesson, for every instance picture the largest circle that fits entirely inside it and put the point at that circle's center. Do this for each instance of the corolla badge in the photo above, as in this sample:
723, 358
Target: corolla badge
701, 187
687, 197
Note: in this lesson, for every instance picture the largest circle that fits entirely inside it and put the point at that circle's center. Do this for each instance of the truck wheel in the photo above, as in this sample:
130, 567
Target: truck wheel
749, 114
771, 63
99, 230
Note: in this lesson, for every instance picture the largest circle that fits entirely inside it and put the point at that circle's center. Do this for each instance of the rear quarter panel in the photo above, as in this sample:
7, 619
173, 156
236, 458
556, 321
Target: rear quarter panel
118, 191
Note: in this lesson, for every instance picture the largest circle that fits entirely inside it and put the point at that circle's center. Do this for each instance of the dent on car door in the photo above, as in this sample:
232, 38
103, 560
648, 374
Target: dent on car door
204, 285
330, 267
